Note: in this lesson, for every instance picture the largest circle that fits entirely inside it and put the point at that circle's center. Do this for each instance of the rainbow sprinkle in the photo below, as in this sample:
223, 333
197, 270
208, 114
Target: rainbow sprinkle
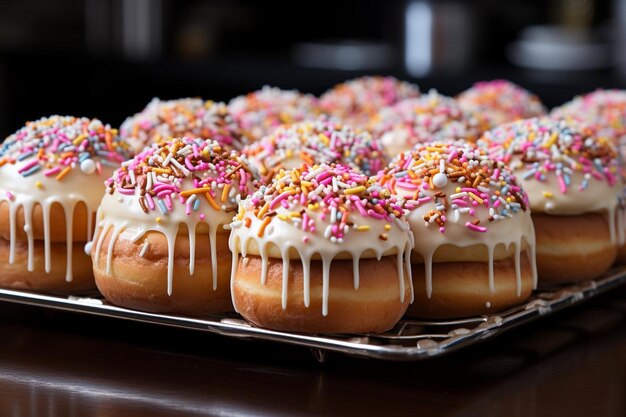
59, 145
499, 101
431, 117
184, 171
262, 111
480, 183
546, 147
356, 101
324, 140
333, 192
192, 117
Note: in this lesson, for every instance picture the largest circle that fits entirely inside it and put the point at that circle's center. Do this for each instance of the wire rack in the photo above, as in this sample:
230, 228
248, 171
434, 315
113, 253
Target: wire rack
409, 340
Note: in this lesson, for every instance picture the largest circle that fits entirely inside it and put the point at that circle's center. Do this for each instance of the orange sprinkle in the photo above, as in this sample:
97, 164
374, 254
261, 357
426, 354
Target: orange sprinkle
211, 201
187, 193
248, 221
63, 173
3, 161
225, 192
266, 221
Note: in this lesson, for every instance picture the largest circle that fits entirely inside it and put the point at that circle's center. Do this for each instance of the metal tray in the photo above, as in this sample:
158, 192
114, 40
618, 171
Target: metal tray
409, 340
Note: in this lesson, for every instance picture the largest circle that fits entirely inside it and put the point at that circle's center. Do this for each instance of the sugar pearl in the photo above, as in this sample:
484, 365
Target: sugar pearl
440, 180
88, 166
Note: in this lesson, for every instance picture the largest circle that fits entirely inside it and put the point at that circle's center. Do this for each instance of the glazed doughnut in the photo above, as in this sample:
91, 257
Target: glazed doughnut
262, 111
356, 101
161, 245
605, 112
323, 249
474, 237
573, 181
324, 140
51, 175
191, 117
431, 117
499, 101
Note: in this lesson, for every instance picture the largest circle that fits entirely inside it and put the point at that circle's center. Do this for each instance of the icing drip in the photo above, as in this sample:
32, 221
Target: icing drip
262, 111
563, 166
457, 196
190, 182
323, 140
192, 117
301, 216
55, 160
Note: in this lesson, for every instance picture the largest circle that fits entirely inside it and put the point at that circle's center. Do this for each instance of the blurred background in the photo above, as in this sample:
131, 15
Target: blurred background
108, 58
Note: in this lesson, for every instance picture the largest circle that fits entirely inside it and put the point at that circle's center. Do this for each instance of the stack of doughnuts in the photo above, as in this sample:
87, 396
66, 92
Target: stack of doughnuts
324, 140
161, 243
322, 248
51, 175
186, 117
474, 238
573, 182
337, 214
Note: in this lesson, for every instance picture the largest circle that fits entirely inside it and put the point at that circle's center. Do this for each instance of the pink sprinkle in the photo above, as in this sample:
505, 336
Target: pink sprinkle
10, 195
28, 166
52, 171
278, 199
475, 228
150, 201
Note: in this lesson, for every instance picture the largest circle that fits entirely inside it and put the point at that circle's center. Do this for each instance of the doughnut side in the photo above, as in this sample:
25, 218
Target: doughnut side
17, 276
374, 307
572, 248
140, 282
461, 289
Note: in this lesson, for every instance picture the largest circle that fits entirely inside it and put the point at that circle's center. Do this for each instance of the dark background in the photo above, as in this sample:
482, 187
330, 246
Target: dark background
108, 58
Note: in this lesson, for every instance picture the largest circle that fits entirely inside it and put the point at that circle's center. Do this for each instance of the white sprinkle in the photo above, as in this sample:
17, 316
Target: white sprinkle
144, 248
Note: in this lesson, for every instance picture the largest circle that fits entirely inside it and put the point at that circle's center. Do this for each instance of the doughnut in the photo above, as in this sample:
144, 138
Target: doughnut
474, 237
191, 117
574, 184
604, 111
51, 175
431, 117
324, 140
161, 244
500, 101
356, 101
322, 249
262, 111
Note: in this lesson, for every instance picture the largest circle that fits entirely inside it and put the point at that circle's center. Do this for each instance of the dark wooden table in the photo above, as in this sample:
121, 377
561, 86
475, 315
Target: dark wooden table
61, 364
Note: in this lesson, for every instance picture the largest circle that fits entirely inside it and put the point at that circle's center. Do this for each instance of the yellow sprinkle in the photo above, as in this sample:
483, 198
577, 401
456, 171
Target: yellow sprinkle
158, 220
325, 139
295, 214
187, 193
39, 185
551, 141
457, 190
355, 190
475, 197
547, 194
282, 217
363, 228
162, 170
313, 206
78, 139
263, 210
387, 227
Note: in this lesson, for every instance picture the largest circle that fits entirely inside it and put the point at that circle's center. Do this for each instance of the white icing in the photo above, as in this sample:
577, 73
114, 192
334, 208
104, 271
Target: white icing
122, 216
288, 237
73, 189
